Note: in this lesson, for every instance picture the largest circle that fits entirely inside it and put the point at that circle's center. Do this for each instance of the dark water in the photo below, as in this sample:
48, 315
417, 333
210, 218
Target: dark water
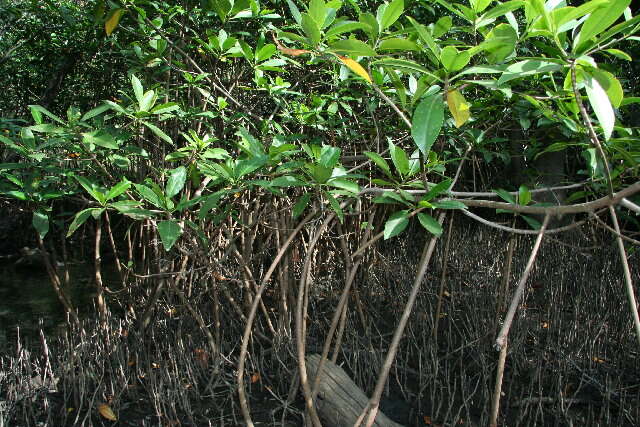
29, 303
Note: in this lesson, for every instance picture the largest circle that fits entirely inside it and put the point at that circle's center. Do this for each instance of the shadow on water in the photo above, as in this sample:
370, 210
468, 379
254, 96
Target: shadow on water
29, 303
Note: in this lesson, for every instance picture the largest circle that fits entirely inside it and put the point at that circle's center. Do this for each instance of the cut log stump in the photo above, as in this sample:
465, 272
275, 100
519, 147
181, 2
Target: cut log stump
340, 401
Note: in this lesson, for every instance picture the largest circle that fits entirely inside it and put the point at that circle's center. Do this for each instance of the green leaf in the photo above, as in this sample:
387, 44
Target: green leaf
601, 105
427, 122
380, 162
442, 26
426, 37
118, 189
344, 184
498, 11
147, 101
397, 43
215, 153
266, 52
619, 54
527, 67
301, 205
372, 28
329, 156
247, 166
101, 138
92, 188
40, 222
41, 109
504, 195
343, 27
138, 91
165, 108
352, 47
391, 197
430, 224
449, 204
403, 65
399, 158
501, 42
524, 195
169, 232
176, 181
396, 224
618, 29
335, 206
610, 84
160, 134
95, 112
295, 12
599, 20
319, 173
391, 14
436, 190
80, 219
311, 29
211, 202
318, 11
150, 196
453, 60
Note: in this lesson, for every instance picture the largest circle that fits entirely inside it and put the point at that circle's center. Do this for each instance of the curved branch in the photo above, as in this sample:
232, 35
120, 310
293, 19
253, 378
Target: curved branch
520, 230
603, 202
630, 205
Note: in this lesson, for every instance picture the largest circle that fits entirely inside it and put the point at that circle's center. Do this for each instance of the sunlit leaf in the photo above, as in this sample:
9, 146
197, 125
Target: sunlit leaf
452, 59
459, 107
107, 412
427, 122
399, 158
524, 195
391, 13
352, 47
118, 189
40, 222
396, 224
601, 105
176, 181
526, 68
599, 20
311, 29
355, 67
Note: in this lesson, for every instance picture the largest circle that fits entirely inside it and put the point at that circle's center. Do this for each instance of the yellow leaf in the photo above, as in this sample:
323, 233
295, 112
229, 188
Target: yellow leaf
106, 412
112, 21
355, 67
459, 107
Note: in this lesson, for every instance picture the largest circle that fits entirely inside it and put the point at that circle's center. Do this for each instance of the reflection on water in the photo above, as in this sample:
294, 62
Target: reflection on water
27, 298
